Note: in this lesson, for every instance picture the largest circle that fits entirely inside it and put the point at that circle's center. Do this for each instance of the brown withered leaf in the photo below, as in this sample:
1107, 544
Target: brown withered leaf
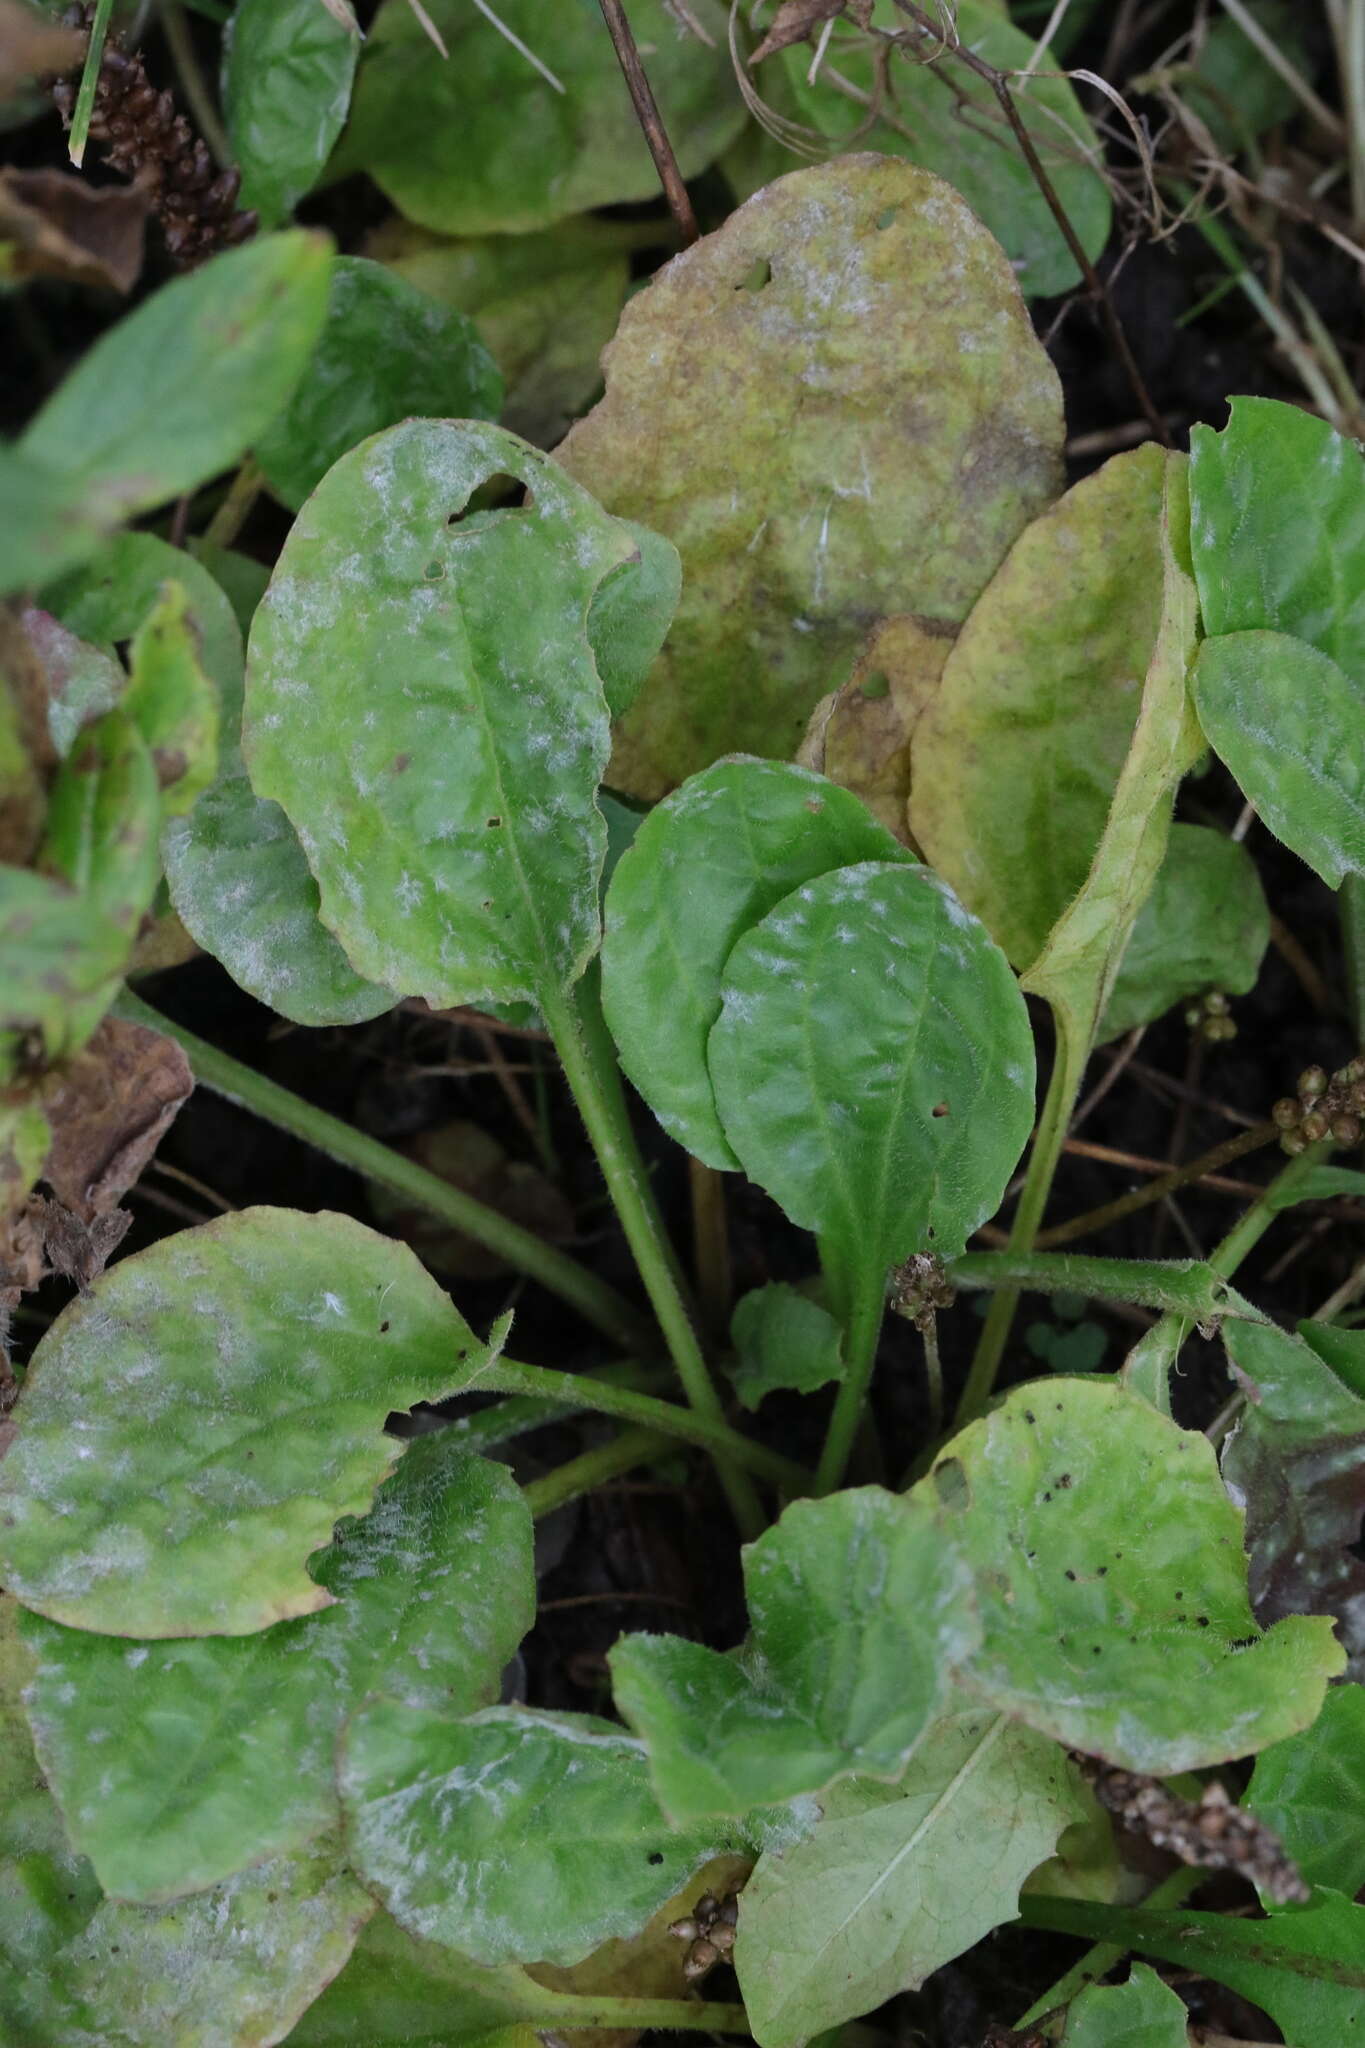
109, 1110
796, 19
861, 736
30, 46
73, 1249
59, 225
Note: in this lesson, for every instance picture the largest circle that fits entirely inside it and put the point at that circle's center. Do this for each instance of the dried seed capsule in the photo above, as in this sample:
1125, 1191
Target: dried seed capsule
1219, 1029
1356, 1095
722, 1937
1286, 1113
729, 1909
1216, 1003
701, 1957
1293, 1142
1346, 1128
1312, 1083
1314, 1126
684, 1930
1194, 1016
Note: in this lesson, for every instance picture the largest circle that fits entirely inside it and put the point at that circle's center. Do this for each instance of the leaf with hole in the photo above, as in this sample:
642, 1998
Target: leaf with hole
456, 1823
1108, 1571
423, 701
433, 1591
387, 353
1206, 925
873, 1063
706, 865
485, 142
896, 1881
771, 411
182, 1492
288, 66
858, 1614
931, 108
1142, 2012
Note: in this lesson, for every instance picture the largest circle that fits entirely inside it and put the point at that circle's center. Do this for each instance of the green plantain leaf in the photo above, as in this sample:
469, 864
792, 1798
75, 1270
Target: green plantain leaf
246, 1370
896, 1881
1039, 698
1206, 925
545, 305
705, 866
459, 1825
142, 1742
483, 143
387, 353
945, 119
1310, 1789
423, 701
783, 1339
1278, 529
1287, 721
172, 701
873, 1063
181, 388
396, 1992
817, 460
1234, 89
287, 72
1140, 2013
1306, 1966
858, 1614
1108, 1571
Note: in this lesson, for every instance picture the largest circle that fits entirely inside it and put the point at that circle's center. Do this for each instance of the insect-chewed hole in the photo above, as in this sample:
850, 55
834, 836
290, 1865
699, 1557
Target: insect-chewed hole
875, 686
885, 217
758, 275
495, 497
950, 1484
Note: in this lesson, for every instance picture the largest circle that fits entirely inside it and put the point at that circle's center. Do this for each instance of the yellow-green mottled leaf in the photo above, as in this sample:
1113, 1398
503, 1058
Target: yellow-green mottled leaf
818, 458
173, 702
861, 736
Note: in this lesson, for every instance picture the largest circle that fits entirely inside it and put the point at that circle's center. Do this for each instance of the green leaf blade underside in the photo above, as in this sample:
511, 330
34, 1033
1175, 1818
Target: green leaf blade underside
182, 1492
1111, 1585
783, 1340
1039, 697
484, 144
1304, 1966
387, 353
1140, 2013
808, 430
1287, 719
434, 1589
1311, 1790
423, 702
952, 125
1206, 925
1278, 529
705, 866
288, 66
457, 1824
896, 1881
182, 387
858, 1615
866, 1023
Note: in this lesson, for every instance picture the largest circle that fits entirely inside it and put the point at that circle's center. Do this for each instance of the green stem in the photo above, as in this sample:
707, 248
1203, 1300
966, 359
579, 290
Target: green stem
1068, 1071
574, 1021
581, 1390
85, 97
232, 515
1351, 910
865, 1296
599, 1304
485, 1429
1098, 1961
193, 83
594, 1468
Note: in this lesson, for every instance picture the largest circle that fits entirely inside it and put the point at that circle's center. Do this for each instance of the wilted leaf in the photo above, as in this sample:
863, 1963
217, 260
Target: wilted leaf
388, 352
1017, 755
866, 1024
858, 1613
287, 72
1287, 719
110, 1107
182, 1490
861, 736
456, 1824
783, 1339
1140, 2013
434, 1590
440, 762
1206, 925
483, 143
704, 867
1310, 1789
818, 461
57, 224
1305, 1967
1296, 1463
896, 1881
944, 118
1108, 1571
25, 1136
545, 304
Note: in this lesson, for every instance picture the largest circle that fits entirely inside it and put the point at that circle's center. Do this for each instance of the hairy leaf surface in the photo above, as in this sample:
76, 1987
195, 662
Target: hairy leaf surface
783, 1339
1310, 1789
